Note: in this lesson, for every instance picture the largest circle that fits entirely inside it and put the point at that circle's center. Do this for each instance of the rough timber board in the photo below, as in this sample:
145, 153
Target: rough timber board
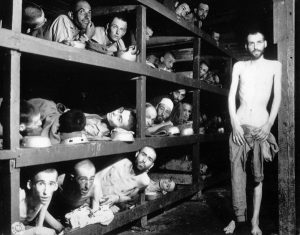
60, 153
128, 216
36, 46
284, 35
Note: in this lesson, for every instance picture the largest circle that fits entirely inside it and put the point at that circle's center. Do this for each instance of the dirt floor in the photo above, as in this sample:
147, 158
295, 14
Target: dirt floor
206, 216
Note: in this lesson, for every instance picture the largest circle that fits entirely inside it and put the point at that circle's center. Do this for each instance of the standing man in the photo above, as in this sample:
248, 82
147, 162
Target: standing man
251, 124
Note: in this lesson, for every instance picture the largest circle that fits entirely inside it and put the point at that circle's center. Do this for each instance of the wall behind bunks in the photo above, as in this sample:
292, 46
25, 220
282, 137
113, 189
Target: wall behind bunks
297, 105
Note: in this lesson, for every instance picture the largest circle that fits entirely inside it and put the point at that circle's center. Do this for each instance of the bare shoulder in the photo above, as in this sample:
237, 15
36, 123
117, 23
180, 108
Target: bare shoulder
274, 63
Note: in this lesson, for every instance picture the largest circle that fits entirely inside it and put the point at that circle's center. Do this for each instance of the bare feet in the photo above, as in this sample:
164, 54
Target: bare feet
230, 227
255, 229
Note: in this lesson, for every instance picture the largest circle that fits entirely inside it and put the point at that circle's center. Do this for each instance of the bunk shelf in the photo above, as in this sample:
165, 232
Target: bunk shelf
32, 45
164, 11
35, 156
139, 211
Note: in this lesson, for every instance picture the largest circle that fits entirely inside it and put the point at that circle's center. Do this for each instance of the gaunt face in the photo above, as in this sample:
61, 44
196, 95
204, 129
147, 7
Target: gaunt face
85, 178
187, 111
256, 45
117, 29
145, 158
150, 115
82, 15
163, 112
119, 118
44, 185
183, 10
167, 185
178, 95
202, 11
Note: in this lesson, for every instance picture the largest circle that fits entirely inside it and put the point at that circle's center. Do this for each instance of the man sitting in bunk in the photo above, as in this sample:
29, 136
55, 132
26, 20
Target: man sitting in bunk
75, 189
35, 200
34, 21
166, 62
111, 36
75, 28
71, 126
122, 181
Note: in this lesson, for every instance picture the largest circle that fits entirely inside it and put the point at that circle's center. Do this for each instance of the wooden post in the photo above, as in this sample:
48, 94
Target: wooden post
196, 105
141, 82
10, 196
141, 85
284, 36
11, 103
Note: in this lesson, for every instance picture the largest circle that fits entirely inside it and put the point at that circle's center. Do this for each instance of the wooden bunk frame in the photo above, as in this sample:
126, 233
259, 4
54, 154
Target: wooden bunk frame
12, 158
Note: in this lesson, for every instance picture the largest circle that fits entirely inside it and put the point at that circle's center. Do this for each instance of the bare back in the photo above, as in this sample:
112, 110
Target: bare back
255, 87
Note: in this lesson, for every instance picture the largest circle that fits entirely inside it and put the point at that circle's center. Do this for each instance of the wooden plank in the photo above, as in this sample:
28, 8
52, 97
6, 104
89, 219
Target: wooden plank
107, 10
141, 82
128, 216
60, 153
196, 112
141, 86
10, 181
16, 15
32, 45
285, 36
195, 31
11, 101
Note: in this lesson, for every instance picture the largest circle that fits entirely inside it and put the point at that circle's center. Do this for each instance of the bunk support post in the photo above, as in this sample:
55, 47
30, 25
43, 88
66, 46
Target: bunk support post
284, 36
10, 184
141, 86
10, 175
141, 82
196, 103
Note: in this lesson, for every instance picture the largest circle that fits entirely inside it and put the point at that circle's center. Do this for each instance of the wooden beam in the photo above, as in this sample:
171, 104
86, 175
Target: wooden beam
284, 35
127, 216
11, 101
10, 184
141, 82
107, 10
36, 46
60, 153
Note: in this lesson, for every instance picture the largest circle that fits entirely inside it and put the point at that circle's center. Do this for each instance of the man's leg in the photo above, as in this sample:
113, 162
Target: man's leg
257, 195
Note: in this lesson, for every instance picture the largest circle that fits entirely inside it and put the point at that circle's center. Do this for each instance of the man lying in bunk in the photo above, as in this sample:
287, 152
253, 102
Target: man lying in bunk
200, 13
123, 180
30, 120
75, 27
71, 126
34, 21
151, 115
166, 62
35, 200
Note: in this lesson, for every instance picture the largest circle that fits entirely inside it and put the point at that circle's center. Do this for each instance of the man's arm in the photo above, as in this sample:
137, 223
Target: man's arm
265, 129
237, 131
55, 224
